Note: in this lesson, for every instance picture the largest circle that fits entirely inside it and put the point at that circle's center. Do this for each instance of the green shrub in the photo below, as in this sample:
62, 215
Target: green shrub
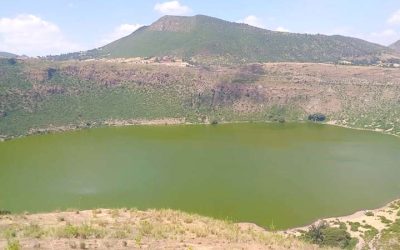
325, 235
354, 226
385, 220
369, 213
13, 245
4, 212
82, 232
33, 231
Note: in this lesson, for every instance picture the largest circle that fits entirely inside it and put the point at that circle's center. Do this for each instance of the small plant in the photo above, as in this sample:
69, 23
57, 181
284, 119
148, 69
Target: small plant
138, 240
342, 225
214, 122
10, 233
82, 232
385, 220
5, 212
188, 220
354, 226
370, 234
33, 231
13, 245
369, 213
145, 228
272, 226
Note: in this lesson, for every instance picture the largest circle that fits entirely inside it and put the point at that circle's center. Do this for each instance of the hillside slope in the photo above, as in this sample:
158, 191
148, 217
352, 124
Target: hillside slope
210, 39
7, 55
38, 96
396, 46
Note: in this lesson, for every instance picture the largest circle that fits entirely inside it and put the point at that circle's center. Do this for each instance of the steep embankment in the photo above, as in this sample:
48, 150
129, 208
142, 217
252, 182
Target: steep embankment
39, 95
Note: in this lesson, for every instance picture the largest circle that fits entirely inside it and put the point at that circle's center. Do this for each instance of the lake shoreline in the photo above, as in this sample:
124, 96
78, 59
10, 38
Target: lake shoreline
166, 122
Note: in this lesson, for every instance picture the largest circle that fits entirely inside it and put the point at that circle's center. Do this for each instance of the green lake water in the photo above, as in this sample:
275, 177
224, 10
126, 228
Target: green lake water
285, 174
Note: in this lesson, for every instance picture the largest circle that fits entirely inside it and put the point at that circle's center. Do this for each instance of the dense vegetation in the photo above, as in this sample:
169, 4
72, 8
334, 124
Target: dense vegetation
207, 39
324, 235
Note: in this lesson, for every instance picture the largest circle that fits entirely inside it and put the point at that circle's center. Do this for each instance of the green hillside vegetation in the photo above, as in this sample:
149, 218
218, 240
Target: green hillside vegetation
38, 95
208, 39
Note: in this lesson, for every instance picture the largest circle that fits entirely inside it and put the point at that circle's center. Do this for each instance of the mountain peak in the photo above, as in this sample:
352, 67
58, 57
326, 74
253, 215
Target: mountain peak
182, 23
173, 24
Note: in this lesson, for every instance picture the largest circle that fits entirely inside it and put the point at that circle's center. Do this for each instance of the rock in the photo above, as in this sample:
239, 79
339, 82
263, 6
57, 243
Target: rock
3, 113
50, 73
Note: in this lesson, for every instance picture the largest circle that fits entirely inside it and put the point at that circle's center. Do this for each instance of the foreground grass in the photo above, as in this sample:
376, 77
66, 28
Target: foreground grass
130, 228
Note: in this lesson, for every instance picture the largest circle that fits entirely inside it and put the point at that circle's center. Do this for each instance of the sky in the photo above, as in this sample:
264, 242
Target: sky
43, 27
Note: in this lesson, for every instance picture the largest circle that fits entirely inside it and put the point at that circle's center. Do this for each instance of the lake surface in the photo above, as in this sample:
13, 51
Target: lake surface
285, 174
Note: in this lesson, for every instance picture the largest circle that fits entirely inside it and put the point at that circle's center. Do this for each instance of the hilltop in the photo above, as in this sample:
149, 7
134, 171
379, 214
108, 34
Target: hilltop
208, 39
7, 55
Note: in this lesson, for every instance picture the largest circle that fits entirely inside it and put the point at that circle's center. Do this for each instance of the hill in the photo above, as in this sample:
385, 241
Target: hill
39, 96
208, 39
7, 55
396, 46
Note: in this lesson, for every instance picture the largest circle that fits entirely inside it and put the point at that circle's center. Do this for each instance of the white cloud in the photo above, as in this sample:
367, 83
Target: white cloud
172, 8
253, 21
395, 18
387, 32
282, 29
385, 37
31, 35
119, 32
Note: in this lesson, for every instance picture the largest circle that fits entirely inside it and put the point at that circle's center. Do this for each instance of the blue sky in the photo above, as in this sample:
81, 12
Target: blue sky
41, 27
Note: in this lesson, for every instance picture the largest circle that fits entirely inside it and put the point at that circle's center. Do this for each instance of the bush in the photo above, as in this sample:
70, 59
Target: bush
13, 245
369, 213
82, 232
324, 235
318, 117
4, 212
12, 61
214, 122
354, 226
